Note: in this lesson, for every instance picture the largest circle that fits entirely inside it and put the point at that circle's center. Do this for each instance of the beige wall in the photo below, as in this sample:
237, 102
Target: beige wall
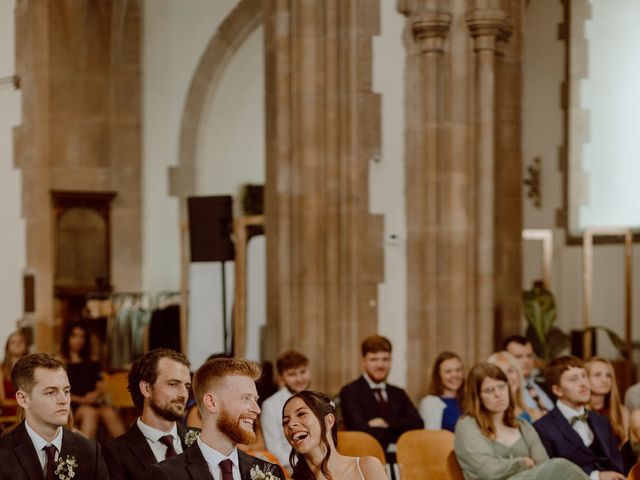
12, 231
542, 136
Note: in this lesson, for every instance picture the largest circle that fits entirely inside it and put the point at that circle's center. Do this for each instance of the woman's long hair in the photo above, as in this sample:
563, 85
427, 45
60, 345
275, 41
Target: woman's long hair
473, 405
612, 404
7, 361
85, 351
320, 406
436, 387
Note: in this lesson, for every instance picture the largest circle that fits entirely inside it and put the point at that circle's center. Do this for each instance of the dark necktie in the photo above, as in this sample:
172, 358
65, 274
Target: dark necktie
168, 441
50, 469
226, 467
536, 398
579, 418
377, 392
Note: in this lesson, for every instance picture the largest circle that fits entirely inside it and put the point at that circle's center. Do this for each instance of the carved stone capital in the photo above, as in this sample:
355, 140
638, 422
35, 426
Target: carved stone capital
487, 27
430, 30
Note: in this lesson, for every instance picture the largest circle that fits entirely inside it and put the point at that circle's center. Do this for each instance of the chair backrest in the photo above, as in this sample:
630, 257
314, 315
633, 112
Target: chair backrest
360, 444
454, 472
115, 385
634, 474
425, 454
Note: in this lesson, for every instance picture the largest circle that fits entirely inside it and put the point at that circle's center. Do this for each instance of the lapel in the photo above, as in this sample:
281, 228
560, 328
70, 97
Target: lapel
565, 428
598, 433
69, 446
140, 447
196, 464
26, 453
182, 431
245, 462
372, 407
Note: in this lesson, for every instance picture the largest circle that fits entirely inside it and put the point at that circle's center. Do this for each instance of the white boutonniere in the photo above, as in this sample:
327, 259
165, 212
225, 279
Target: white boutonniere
257, 474
66, 467
190, 437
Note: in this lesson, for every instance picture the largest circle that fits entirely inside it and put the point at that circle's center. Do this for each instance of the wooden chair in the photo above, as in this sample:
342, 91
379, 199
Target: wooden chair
634, 474
454, 472
115, 385
426, 454
360, 444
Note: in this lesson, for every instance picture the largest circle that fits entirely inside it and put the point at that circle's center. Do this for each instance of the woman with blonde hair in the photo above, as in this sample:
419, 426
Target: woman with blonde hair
492, 444
509, 365
605, 398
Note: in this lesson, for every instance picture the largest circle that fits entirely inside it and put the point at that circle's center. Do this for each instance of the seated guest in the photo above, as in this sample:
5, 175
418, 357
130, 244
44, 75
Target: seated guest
88, 401
492, 444
309, 423
441, 409
40, 446
226, 393
295, 376
159, 384
570, 430
14, 350
634, 434
371, 405
511, 368
605, 398
632, 398
536, 392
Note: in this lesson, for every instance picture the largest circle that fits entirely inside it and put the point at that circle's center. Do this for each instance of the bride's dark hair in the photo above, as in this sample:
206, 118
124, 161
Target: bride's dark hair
321, 406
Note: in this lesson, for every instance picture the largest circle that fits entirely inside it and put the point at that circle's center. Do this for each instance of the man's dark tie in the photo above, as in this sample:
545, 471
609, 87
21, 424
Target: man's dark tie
579, 418
377, 392
168, 441
536, 398
50, 469
226, 467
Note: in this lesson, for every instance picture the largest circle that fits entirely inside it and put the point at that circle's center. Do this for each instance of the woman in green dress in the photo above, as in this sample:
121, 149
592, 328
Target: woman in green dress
492, 444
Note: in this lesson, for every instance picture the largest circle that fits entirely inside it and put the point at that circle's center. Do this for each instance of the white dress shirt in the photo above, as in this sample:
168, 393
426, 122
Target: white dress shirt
214, 457
271, 424
528, 399
581, 428
153, 436
39, 443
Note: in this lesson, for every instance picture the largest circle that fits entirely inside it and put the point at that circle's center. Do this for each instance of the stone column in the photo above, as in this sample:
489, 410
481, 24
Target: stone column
487, 25
324, 248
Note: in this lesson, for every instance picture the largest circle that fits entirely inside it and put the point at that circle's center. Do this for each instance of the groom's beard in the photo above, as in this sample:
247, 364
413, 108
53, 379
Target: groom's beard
231, 428
171, 411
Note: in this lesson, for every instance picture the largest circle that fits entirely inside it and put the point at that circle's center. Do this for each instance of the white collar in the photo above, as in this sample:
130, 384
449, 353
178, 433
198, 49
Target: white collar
214, 457
372, 384
39, 443
154, 434
568, 412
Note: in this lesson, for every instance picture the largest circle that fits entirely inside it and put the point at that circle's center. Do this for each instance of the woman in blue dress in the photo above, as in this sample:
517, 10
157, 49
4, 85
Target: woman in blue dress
442, 407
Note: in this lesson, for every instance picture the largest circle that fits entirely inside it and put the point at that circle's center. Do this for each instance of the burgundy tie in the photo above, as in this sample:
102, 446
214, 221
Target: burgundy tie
168, 441
50, 469
226, 467
381, 401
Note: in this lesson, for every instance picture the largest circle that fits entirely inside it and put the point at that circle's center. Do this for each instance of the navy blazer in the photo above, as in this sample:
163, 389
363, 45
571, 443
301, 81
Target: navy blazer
129, 455
19, 460
191, 465
359, 405
561, 440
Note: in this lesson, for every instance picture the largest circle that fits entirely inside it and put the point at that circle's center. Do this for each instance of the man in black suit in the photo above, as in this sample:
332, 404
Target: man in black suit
571, 431
159, 384
225, 391
40, 445
370, 405
536, 392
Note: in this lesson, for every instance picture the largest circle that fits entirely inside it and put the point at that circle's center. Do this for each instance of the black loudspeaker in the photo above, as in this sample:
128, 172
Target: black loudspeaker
210, 226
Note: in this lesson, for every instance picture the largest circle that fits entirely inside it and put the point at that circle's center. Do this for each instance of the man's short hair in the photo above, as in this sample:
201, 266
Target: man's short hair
23, 372
519, 339
290, 359
375, 344
145, 369
212, 372
556, 367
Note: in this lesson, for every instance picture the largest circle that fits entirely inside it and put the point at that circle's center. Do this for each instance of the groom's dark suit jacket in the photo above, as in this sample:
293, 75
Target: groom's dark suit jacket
130, 454
561, 440
191, 465
359, 405
19, 460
